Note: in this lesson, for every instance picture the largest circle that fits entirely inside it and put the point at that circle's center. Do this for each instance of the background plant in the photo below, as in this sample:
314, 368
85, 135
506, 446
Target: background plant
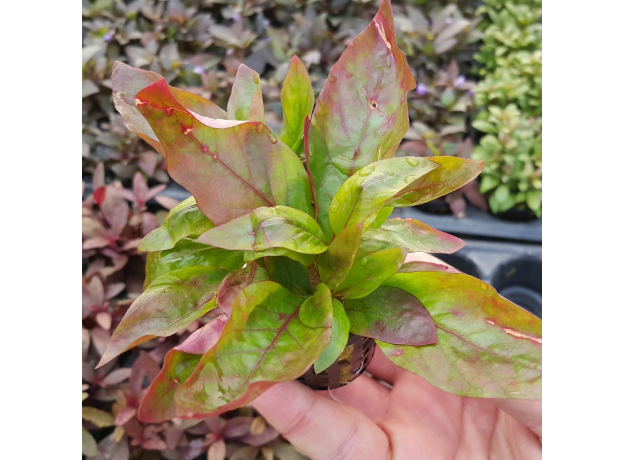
513, 149
511, 55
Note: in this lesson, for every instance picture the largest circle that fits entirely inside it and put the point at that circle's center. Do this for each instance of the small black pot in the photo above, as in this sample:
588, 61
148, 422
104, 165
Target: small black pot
350, 364
436, 206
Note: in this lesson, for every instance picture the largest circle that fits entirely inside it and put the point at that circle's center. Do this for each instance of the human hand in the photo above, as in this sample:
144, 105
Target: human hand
412, 420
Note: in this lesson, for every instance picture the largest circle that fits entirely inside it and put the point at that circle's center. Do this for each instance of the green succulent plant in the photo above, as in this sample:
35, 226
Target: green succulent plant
512, 151
298, 251
510, 99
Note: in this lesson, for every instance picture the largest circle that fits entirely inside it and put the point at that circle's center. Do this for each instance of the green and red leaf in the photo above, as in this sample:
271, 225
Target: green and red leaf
316, 311
361, 113
451, 174
419, 237
335, 263
416, 266
376, 261
305, 259
157, 405
391, 315
230, 167
365, 194
263, 343
245, 101
128, 81
190, 253
183, 220
169, 304
297, 101
487, 346
267, 228
234, 283
290, 274
339, 338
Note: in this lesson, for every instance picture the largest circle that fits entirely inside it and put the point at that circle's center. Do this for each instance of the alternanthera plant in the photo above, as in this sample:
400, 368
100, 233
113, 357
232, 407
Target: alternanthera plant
288, 234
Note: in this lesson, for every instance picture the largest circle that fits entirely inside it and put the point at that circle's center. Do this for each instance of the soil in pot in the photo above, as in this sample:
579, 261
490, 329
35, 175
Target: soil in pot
436, 206
350, 365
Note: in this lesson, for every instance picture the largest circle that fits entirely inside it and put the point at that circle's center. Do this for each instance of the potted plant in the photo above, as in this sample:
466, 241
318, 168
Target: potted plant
297, 251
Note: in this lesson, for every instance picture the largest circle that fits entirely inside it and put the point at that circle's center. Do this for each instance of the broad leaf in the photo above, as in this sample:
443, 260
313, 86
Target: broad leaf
230, 167
335, 263
451, 174
364, 195
234, 283
391, 315
290, 274
245, 101
382, 217
376, 261
361, 113
316, 311
415, 266
340, 336
263, 343
266, 228
297, 101
305, 259
419, 237
157, 405
183, 220
169, 304
190, 253
128, 81
487, 346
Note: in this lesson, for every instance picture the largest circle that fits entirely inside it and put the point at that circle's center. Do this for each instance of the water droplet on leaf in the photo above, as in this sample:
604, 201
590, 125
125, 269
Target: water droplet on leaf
332, 78
367, 171
257, 80
259, 128
273, 139
484, 286
390, 173
410, 179
334, 207
363, 261
412, 161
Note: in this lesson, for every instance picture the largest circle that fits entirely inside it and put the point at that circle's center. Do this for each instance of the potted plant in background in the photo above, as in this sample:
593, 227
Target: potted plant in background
510, 101
298, 252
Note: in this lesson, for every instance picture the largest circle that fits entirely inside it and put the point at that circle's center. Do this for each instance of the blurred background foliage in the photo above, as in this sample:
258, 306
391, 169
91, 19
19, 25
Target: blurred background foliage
478, 68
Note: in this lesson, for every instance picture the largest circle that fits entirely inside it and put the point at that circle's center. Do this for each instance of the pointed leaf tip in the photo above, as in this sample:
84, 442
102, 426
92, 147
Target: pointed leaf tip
361, 113
169, 304
245, 101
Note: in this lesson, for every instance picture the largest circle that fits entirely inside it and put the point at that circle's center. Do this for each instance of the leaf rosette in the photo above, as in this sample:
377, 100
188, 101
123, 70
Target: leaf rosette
288, 235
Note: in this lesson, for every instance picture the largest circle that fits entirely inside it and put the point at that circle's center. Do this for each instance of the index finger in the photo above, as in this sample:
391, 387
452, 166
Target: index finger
321, 428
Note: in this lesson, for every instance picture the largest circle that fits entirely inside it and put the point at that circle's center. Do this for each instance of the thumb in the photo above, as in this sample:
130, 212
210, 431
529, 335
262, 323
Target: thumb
321, 428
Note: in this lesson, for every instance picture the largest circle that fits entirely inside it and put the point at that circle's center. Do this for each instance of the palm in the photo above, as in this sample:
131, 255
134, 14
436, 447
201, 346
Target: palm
412, 420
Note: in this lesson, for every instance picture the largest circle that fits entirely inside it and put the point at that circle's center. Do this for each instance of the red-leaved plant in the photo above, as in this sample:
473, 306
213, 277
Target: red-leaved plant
287, 234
